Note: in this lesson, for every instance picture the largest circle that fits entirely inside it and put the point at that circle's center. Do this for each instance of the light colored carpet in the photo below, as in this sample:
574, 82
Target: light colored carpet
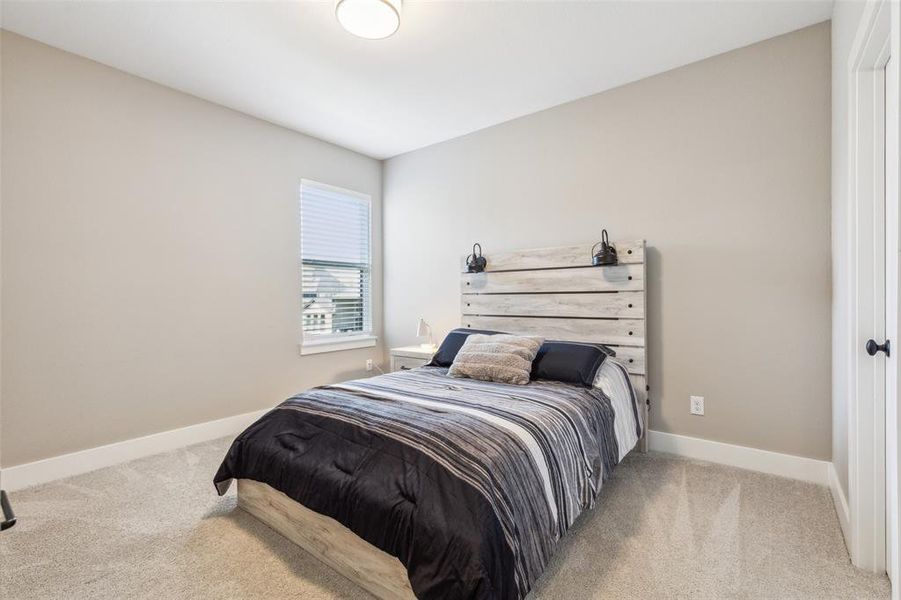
664, 528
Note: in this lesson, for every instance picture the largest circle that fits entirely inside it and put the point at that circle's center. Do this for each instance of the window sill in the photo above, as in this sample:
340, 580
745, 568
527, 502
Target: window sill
333, 345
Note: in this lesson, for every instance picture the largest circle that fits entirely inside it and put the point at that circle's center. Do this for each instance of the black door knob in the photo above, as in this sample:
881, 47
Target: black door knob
873, 348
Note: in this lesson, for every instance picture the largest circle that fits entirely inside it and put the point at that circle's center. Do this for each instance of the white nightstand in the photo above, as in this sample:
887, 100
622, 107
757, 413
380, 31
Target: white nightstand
410, 357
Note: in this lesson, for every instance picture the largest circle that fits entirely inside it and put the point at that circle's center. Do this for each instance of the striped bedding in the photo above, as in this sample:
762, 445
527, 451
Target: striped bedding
471, 484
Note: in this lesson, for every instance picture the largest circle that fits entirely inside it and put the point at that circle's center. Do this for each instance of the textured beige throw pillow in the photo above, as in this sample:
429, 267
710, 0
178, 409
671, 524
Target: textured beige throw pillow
502, 358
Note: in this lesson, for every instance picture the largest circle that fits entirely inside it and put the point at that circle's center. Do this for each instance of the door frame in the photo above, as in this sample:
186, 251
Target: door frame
893, 204
870, 432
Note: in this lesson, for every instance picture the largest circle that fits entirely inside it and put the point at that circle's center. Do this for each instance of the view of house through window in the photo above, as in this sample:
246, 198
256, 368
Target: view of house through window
335, 263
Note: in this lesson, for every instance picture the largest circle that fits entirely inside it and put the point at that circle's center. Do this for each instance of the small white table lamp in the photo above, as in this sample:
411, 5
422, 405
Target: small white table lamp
424, 329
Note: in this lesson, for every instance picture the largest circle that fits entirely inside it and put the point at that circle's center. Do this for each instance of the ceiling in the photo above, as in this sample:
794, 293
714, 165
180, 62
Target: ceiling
452, 68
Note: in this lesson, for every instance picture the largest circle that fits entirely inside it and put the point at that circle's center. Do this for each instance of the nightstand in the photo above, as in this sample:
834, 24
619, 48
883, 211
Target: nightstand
410, 357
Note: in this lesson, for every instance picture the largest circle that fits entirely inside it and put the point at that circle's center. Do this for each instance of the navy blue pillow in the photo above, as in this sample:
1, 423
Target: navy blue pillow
447, 352
570, 362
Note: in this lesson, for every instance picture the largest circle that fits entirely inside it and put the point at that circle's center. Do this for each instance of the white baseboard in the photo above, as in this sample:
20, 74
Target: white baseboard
76, 463
841, 504
743, 457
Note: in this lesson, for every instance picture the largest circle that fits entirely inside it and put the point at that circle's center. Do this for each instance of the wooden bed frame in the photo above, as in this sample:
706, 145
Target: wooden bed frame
552, 292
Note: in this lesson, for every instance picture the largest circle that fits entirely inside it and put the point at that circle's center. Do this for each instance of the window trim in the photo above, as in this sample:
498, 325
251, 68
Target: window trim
339, 341
335, 345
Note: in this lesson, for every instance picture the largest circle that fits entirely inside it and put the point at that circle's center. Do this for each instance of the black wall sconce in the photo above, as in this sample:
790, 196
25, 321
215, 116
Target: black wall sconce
606, 254
476, 263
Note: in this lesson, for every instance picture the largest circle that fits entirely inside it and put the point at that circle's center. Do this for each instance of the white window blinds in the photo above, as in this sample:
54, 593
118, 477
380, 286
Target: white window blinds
335, 263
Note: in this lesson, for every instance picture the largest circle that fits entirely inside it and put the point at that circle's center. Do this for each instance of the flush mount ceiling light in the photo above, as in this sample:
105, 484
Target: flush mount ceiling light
370, 19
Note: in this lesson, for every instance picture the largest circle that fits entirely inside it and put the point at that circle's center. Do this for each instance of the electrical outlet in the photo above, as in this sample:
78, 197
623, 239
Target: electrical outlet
368, 364
697, 405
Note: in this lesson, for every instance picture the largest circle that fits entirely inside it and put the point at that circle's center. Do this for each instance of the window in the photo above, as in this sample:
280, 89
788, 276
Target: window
336, 268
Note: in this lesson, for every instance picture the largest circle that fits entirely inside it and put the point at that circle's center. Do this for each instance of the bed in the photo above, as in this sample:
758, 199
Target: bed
417, 484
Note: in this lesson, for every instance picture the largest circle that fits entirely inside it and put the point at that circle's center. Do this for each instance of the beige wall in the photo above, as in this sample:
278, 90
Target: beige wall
149, 256
723, 166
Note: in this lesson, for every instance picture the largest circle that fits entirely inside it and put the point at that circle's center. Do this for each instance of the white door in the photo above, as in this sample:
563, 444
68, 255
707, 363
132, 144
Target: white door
886, 121
890, 312
880, 345
873, 402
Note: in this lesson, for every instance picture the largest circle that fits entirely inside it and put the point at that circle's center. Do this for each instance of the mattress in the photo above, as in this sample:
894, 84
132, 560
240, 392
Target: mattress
470, 484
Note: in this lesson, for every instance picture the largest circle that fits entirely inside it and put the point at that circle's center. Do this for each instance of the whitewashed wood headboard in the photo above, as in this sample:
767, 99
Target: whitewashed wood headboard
556, 293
